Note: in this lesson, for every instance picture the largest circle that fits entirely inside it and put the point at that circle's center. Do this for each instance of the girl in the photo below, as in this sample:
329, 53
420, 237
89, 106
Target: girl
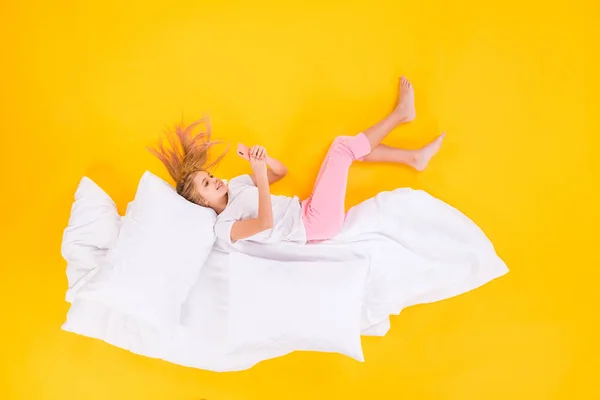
245, 208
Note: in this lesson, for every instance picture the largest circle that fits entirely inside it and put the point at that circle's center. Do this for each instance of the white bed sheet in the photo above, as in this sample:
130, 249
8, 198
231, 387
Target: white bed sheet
420, 249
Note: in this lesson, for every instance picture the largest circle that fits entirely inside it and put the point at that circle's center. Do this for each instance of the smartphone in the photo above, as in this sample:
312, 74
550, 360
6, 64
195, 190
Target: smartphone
243, 151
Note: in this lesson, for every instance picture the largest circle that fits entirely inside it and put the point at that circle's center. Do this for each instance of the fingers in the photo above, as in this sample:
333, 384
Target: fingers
258, 152
257, 161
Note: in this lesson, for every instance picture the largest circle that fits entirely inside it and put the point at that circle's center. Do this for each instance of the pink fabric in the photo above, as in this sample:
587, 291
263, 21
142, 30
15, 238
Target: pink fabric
324, 212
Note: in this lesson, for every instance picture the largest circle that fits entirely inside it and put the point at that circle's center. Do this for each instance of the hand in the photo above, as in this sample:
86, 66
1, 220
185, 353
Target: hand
258, 152
259, 167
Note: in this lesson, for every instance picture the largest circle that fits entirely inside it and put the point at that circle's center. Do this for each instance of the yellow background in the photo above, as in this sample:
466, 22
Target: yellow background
86, 85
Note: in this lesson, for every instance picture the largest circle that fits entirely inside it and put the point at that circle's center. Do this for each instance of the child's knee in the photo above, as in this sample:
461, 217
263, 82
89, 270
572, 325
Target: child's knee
341, 144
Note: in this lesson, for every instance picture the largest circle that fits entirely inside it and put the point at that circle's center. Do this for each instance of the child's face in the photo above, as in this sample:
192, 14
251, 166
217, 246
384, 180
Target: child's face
210, 188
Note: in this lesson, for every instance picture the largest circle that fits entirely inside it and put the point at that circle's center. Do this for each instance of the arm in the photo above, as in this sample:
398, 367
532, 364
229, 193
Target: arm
277, 170
249, 227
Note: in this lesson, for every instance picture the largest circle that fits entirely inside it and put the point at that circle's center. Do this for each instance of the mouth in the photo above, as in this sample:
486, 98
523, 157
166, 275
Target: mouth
219, 185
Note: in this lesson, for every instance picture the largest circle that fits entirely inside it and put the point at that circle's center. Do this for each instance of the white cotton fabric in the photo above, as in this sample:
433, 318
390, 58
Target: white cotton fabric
93, 229
242, 204
162, 245
310, 306
419, 250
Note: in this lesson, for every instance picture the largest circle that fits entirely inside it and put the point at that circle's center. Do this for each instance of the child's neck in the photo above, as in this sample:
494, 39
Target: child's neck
221, 206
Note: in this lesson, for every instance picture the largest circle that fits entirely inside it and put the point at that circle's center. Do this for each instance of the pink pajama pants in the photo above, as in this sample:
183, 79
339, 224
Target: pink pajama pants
324, 212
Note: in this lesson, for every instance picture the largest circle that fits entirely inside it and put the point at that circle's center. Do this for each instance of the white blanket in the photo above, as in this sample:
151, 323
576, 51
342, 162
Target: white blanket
420, 249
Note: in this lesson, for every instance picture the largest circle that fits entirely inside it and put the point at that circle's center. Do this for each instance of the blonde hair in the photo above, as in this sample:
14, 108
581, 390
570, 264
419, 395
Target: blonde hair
186, 155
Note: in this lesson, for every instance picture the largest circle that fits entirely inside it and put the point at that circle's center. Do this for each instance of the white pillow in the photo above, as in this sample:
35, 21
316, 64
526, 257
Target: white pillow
163, 243
295, 305
93, 229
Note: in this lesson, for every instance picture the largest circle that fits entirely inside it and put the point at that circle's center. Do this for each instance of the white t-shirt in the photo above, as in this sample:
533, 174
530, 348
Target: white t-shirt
243, 204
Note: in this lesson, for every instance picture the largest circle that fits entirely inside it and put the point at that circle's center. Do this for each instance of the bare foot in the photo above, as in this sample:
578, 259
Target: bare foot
406, 101
423, 155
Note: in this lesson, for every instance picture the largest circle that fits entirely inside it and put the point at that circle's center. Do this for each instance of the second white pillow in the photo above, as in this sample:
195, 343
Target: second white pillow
296, 305
93, 230
162, 245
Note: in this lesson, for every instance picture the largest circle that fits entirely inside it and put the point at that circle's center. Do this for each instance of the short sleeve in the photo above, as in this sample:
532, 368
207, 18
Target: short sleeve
223, 230
240, 182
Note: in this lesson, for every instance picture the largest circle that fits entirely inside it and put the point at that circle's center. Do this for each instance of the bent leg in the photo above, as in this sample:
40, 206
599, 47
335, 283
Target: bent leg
418, 159
324, 212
